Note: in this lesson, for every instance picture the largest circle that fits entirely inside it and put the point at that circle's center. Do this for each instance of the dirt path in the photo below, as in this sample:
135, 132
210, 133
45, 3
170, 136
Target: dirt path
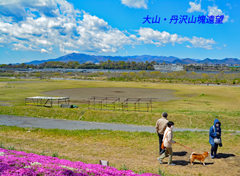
180, 156
228, 164
21, 82
83, 94
76, 125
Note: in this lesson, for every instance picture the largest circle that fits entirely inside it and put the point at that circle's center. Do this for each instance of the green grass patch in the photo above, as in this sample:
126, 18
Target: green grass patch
136, 151
181, 118
197, 106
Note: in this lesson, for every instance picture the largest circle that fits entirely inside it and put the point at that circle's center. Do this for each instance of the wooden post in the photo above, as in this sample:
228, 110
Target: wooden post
151, 104
106, 103
119, 103
104, 163
138, 105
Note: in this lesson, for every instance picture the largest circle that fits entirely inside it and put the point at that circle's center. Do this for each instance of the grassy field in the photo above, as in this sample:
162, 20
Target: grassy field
196, 107
125, 150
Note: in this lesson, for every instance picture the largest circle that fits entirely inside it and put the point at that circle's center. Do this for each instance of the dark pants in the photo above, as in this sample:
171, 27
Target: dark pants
160, 137
214, 149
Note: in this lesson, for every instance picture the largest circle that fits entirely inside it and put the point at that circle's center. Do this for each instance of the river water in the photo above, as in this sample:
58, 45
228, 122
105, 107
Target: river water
100, 70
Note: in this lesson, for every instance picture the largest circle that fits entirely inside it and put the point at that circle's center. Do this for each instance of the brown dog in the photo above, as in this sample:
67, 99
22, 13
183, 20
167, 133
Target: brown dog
199, 157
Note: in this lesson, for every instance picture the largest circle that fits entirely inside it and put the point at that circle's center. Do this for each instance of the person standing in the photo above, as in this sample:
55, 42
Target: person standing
215, 138
161, 125
167, 141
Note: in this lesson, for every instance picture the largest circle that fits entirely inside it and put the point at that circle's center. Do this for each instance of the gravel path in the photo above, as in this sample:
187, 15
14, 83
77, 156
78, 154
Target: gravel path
76, 125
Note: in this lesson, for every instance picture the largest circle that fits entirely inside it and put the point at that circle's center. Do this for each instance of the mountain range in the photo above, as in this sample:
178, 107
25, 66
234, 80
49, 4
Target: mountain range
82, 58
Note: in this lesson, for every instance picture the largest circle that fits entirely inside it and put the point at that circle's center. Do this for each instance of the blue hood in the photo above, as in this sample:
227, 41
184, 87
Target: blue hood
213, 132
217, 121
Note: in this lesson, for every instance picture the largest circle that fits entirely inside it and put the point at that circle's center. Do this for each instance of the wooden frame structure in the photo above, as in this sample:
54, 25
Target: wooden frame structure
137, 104
113, 103
45, 101
104, 103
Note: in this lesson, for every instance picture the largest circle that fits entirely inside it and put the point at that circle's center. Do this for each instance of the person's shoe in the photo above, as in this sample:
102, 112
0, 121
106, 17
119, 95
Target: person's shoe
212, 156
160, 161
215, 156
172, 164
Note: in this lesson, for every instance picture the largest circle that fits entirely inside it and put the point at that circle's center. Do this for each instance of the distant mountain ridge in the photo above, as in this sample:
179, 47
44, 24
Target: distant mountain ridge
82, 58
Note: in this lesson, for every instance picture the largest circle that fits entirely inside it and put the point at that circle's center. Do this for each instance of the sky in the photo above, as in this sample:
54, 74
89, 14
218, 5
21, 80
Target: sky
47, 29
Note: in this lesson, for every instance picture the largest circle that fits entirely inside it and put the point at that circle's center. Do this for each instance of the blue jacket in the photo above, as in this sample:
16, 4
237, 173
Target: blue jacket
213, 134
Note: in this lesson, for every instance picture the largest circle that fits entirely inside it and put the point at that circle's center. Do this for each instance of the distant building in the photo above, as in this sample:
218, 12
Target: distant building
168, 67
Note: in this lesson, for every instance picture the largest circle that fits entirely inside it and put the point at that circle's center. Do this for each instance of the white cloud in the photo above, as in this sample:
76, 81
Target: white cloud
20, 46
224, 45
150, 36
213, 10
1, 39
67, 51
188, 46
94, 23
195, 7
199, 42
229, 5
72, 30
18, 10
65, 27
135, 3
44, 51
97, 35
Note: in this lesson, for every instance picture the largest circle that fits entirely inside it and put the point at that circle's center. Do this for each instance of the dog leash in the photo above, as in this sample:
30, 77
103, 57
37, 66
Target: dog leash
184, 146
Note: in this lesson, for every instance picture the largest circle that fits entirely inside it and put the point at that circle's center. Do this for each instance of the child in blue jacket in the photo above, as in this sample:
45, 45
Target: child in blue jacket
215, 138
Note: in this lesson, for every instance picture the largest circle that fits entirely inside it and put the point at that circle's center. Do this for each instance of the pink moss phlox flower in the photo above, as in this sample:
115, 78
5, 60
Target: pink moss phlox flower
19, 163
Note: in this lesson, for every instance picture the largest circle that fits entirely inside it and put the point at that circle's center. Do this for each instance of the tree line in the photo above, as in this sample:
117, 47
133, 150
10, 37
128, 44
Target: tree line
117, 65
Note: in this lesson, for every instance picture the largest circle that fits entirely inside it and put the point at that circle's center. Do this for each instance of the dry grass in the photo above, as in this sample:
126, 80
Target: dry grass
3, 84
197, 107
138, 151
205, 97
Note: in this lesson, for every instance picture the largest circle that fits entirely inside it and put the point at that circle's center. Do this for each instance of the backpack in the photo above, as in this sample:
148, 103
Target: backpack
162, 146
